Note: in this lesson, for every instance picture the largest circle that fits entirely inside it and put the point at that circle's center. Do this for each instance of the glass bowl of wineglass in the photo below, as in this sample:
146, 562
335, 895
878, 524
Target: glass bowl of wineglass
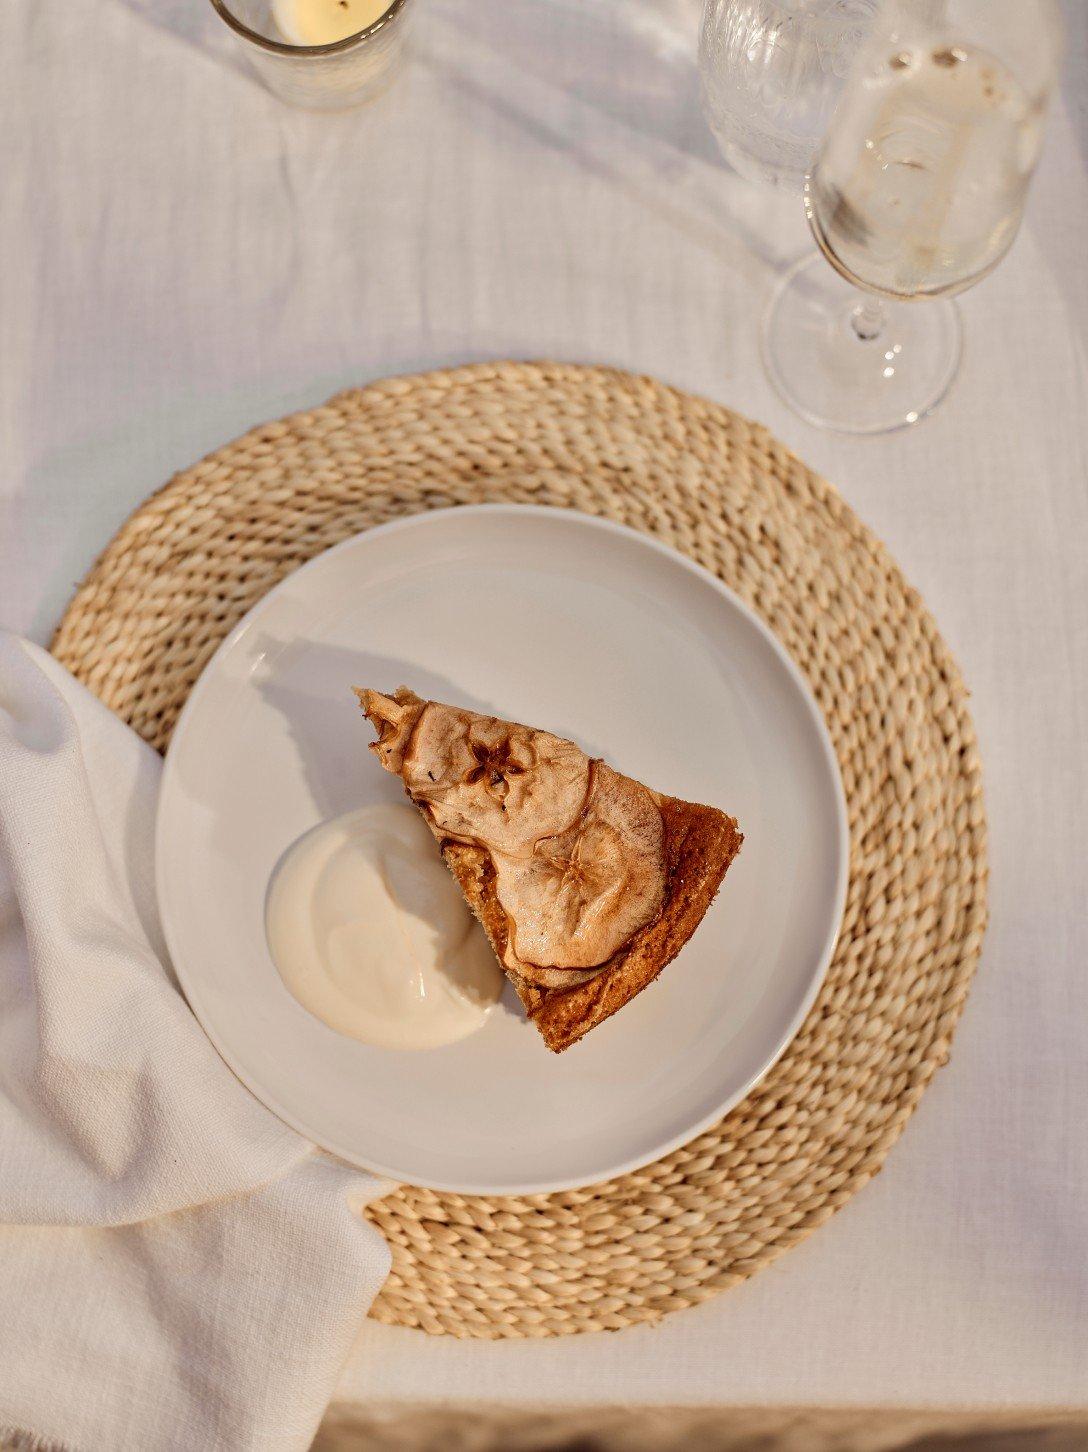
916, 193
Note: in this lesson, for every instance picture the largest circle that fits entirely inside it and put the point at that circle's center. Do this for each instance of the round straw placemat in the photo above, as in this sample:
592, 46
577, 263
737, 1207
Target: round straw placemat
204, 549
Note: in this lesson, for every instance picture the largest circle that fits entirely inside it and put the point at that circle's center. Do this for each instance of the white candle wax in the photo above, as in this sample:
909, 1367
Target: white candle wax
320, 22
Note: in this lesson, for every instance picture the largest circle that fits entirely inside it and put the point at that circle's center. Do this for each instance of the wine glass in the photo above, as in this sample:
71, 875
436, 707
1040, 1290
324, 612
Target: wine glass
771, 71
916, 194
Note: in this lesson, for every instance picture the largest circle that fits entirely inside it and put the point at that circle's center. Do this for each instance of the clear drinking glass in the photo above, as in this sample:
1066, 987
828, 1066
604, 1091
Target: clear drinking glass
916, 194
771, 72
327, 77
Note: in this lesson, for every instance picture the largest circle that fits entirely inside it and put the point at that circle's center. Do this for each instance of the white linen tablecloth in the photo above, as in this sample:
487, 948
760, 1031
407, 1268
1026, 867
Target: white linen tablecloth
183, 257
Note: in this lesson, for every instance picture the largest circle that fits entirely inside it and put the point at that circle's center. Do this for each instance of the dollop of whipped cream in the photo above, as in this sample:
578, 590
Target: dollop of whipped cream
370, 933
577, 849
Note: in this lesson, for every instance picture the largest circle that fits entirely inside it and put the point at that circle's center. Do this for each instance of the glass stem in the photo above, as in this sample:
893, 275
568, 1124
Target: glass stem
867, 318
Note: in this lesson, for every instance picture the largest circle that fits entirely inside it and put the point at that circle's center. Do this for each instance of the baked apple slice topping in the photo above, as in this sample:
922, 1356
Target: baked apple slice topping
577, 849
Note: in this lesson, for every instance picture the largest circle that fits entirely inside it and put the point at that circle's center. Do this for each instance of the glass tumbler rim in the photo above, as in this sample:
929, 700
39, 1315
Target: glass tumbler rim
285, 47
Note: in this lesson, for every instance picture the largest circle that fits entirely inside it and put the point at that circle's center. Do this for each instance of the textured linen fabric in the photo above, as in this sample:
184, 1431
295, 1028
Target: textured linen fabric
184, 257
176, 1266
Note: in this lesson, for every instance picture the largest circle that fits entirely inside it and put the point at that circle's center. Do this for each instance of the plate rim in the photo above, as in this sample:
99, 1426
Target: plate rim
425, 518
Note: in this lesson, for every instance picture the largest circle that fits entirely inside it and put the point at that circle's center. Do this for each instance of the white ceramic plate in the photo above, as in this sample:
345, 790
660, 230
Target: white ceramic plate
569, 623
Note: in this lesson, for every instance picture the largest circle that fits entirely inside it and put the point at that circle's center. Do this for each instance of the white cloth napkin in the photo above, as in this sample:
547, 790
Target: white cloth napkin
177, 1268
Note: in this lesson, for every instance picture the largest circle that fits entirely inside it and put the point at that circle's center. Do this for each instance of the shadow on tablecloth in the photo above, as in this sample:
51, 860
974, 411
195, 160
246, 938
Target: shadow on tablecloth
661, 1429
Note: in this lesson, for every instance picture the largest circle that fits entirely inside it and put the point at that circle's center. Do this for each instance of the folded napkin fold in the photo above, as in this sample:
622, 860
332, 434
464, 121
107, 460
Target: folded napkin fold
177, 1267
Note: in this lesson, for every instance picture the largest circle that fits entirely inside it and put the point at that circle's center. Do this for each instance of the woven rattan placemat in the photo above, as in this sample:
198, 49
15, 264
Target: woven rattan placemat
206, 547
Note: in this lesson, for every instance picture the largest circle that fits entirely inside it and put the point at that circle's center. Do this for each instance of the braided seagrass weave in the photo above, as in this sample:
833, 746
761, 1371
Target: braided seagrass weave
195, 557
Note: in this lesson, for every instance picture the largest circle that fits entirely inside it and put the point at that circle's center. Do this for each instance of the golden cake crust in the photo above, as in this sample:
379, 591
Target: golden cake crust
700, 843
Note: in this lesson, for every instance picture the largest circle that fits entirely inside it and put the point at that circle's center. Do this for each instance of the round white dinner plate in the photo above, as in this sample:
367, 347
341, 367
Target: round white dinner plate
571, 624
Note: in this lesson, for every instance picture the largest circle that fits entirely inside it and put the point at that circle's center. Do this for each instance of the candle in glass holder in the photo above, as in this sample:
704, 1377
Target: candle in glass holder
321, 54
323, 22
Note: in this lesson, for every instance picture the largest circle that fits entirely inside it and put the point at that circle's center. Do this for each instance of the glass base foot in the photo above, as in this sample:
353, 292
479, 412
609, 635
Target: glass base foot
848, 361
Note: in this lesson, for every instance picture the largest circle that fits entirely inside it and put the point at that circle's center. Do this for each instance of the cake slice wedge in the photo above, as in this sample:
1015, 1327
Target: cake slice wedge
586, 882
